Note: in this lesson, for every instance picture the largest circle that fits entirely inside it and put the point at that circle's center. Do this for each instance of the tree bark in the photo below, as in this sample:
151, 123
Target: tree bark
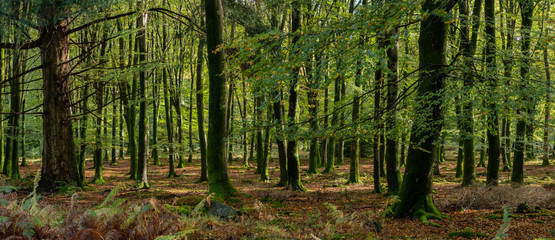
467, 128
416, 191
218, 180
58, 162
293, 164
392, 161
200, 109
142, 137
280, 141
527, 9
492, 117
547, 110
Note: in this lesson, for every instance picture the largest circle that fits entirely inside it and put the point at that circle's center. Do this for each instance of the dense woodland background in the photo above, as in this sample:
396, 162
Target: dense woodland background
237, 82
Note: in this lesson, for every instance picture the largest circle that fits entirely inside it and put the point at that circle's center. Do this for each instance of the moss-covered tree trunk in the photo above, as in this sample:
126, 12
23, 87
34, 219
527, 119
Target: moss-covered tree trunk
98, 143
169, 125
114, 159
332, 141
312, 98
415, 196
11, 168
155, 105
492, 116
259, 137
467, 46
392, 161
280, 141
547, 107
293, 163
507, 58
2, 76
218, 179
354, 174
527, 10
378, 84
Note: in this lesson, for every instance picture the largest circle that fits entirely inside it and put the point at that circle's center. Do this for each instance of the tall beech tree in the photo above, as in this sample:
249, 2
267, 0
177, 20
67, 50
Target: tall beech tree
218, 180
526, 12
293, 163
142, 137
415, 196
492, 117
200, 108
393, 170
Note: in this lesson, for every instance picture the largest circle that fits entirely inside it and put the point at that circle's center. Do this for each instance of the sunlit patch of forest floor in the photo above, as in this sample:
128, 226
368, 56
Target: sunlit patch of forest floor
330, 209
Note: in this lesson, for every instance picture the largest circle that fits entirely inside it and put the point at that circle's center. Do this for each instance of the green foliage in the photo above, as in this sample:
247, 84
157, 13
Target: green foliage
468, 233
8, 188
502, 231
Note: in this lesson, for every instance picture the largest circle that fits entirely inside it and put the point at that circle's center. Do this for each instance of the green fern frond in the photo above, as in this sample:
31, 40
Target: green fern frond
134, 212
200, 205
110, 197
502, 231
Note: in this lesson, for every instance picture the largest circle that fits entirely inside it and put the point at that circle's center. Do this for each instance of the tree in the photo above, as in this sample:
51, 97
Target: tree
468, 44
547, 110
393, 171
58, 163
415, 196
142, 136
492, 117
200, 108
527, 10
218, 180
293, 164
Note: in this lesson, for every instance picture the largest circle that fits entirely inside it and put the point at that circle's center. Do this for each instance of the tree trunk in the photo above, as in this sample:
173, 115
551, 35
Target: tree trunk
527, 9
378, 78
468, 44
200, 109
416, 191
264, 176
155, 86
293, 163
245, 135
280, 141
259, 141
142, 137
492, 117
229, 120
169, 124
312, 98
547, 110
218, 180
58, 163
114, 161
2, 75
392, 161
324, 144
97, 158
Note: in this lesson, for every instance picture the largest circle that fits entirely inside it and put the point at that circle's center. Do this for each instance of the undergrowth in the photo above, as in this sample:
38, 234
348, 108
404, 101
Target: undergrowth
486, 197
112, 219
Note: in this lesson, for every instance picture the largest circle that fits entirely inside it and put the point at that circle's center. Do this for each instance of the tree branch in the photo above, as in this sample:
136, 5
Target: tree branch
27, 45
160, 10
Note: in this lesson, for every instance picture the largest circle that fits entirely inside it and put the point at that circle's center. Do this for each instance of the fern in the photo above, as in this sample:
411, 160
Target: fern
26, 228
110, 197
135, 211
502, 231
200, 205
8, 188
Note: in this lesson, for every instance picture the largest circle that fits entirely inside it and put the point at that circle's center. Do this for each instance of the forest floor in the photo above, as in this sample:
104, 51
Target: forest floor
330, 209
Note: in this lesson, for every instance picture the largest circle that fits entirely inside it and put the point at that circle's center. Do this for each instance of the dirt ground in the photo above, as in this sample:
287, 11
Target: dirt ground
304, 215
